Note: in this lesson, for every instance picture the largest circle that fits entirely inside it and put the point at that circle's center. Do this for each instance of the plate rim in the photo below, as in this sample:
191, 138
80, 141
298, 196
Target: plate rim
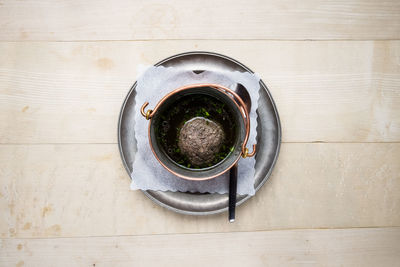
266, 177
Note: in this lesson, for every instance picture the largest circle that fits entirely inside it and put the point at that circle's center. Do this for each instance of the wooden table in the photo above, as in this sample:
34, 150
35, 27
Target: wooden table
333, 68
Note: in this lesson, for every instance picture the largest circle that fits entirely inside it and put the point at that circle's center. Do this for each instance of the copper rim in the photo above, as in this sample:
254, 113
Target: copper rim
243, 111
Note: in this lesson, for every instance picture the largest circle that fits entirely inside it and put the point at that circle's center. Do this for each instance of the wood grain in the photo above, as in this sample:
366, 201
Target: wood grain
342, 247
179, 19
83, 190
64, 194
325, 91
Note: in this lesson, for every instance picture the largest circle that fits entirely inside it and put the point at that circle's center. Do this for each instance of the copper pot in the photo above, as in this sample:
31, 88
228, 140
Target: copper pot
241, 117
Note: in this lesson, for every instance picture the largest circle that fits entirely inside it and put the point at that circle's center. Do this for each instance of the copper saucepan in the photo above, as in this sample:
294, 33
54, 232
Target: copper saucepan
241, 116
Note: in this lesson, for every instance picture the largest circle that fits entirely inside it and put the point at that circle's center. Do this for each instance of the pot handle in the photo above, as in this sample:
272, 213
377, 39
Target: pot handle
246, 153
147, 114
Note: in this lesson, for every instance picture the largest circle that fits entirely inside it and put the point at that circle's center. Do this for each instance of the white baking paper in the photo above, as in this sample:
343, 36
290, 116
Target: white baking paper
152, 85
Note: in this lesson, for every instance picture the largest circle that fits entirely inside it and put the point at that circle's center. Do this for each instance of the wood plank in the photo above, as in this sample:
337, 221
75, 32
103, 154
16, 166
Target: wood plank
83, 190
325, 91
340, 247
180, 19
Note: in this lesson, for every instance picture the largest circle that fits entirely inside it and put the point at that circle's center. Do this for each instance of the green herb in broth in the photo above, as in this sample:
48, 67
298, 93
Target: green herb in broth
171, 121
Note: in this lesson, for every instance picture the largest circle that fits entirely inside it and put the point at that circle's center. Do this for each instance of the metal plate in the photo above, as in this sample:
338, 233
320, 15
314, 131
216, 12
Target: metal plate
268, 137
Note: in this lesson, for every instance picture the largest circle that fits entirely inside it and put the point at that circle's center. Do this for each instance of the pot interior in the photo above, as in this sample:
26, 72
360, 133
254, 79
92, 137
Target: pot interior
169, 120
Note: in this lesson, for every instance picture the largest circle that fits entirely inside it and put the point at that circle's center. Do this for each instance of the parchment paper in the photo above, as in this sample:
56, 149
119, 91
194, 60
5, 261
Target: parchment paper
152, 85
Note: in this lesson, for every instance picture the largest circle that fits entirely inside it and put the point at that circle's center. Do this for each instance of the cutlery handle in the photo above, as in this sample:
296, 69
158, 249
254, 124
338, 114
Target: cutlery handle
232, 192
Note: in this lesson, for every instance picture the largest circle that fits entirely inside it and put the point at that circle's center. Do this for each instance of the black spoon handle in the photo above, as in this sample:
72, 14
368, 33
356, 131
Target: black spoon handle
232, 192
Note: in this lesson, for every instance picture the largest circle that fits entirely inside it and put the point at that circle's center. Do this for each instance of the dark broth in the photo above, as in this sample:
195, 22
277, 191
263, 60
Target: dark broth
187, 107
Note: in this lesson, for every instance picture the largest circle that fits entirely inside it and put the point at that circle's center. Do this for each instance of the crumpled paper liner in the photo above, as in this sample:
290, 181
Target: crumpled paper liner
153, 84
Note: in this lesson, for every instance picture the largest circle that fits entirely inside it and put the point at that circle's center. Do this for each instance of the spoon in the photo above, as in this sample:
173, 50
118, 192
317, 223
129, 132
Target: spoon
245, 96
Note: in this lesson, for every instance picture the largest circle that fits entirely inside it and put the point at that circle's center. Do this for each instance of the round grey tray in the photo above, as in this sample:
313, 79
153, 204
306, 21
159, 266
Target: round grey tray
268, 137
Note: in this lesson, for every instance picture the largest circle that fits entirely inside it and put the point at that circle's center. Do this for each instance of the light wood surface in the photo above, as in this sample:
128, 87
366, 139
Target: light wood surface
181, 19
331, 91
341, 247
66, 190
333, 68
